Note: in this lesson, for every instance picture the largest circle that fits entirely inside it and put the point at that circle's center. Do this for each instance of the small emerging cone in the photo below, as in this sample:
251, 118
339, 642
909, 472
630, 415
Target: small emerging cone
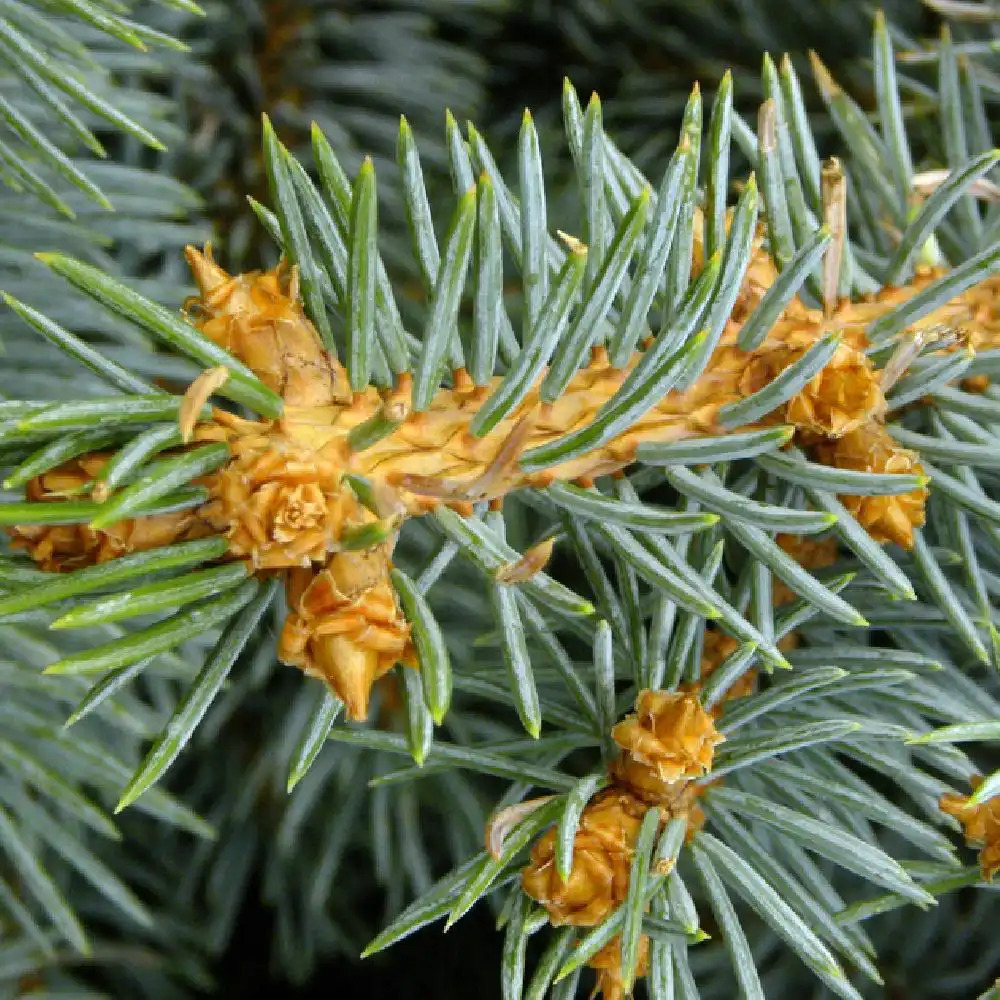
608, 963
838, 399
257, 317
670, 734
981, 823
871, 448
282, 506
62, 548
346, 625
842, 397
602, 859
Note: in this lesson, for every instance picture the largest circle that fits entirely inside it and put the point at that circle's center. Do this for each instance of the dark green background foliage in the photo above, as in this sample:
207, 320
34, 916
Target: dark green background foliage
291, 889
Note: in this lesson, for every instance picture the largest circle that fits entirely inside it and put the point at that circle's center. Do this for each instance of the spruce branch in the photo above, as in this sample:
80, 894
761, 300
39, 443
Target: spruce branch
702, 583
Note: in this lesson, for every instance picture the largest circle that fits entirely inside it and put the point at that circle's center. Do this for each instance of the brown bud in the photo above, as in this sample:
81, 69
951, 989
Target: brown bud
673, 798
670, 733
346, 626
608, 963
842, 397
981, 823
976, 383
66, 547
282, 507
807, 551
602, 857
257, 317
871, 449
717, 648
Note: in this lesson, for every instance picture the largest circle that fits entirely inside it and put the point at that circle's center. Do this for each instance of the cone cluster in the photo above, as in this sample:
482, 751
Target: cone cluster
666, 745
286, 503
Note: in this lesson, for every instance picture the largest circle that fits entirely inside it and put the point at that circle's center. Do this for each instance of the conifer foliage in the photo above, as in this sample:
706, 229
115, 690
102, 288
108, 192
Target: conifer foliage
636, 572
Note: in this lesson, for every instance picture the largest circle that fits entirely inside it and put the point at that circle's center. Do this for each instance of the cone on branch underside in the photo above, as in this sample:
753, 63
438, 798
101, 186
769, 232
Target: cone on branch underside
285, 502
666, 746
